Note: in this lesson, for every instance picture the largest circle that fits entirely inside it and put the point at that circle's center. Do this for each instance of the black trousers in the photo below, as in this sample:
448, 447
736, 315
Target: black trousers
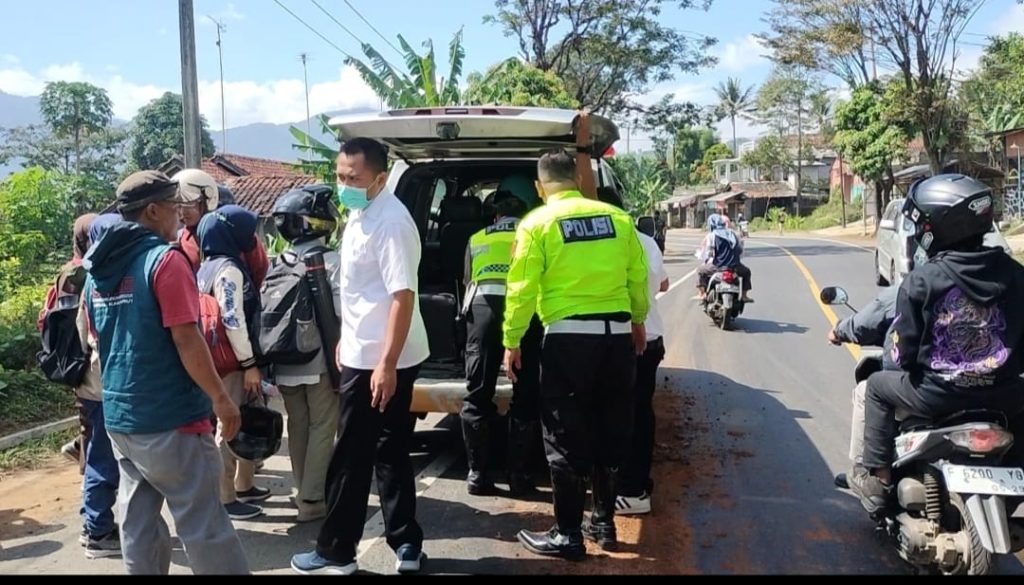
891, 390
484, 354
587, 400
705, 271
636, 471
370, 441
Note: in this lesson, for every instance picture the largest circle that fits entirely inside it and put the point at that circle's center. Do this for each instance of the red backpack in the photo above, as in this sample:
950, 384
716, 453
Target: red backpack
216, 335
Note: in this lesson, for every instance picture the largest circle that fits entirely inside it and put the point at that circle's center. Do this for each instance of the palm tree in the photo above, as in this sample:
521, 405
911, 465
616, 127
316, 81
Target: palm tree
420, 86
734, 101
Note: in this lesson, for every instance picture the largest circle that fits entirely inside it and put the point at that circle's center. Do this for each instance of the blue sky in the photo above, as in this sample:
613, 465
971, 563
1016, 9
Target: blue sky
130, 47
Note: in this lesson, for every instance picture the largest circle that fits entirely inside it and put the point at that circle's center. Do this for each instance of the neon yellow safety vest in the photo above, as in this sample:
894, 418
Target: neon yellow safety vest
573, 257
491, 250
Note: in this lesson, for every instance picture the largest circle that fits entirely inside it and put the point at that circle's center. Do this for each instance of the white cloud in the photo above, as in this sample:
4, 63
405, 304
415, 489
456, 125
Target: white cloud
10, 60
282, 100
742, 54
162, 32
276, 102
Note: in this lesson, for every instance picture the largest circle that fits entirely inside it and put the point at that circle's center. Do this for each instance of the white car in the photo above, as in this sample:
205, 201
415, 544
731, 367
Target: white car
446, 161
895, 246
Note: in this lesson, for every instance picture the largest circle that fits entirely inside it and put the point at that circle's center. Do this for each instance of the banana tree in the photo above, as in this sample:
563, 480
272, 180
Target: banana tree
420, 86
315, 157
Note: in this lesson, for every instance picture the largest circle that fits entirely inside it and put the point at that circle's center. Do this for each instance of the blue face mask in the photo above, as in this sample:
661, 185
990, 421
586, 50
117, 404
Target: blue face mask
352, 197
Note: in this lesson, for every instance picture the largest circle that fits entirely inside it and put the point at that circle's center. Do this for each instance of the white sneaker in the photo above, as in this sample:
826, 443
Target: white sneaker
628, 506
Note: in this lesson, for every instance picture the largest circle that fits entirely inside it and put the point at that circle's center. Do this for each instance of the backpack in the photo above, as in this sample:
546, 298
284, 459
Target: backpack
211, 322
62, 359
288, 333
212, 326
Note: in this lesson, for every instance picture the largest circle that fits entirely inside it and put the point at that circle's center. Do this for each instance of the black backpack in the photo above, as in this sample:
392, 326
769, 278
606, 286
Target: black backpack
288, 333
62, 359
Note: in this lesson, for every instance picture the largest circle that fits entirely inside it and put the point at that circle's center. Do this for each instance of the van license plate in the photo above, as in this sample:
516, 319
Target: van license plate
971, 479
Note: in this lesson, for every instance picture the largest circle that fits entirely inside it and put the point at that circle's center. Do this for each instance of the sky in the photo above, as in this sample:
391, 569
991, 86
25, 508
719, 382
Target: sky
130, 48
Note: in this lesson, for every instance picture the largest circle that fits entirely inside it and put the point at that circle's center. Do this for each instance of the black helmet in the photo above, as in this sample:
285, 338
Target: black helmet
948, 209
306, 213
259, 437
225, 196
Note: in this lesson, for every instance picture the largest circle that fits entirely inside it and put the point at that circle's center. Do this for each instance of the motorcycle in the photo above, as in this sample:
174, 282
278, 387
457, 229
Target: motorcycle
724, 300
954, 493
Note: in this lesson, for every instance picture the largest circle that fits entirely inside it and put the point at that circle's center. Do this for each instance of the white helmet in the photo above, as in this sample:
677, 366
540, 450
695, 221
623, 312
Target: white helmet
195, 185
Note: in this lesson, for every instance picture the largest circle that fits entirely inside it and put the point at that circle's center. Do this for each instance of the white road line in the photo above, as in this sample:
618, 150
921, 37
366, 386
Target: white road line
373, 530
676, 283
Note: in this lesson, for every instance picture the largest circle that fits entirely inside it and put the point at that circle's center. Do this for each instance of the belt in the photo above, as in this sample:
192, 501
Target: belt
588, 327
491, 289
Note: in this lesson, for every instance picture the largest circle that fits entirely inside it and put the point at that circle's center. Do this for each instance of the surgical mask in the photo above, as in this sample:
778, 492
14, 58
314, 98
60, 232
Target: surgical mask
353, 197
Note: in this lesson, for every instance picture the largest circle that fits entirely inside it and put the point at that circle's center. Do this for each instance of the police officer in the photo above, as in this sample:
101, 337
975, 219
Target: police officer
487, 259
579, 264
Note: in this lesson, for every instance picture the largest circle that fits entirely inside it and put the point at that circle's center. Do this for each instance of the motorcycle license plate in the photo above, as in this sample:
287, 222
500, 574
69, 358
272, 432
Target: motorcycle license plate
728, 288
971, 479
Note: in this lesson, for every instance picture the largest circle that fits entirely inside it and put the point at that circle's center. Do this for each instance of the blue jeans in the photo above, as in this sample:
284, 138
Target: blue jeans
99, 486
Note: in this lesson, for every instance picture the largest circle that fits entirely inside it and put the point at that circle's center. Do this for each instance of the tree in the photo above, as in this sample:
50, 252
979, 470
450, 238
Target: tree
993, 95
734, 101
821, 35
871, 135
75, 110
606, 52
770, 153
420, 86
316, 158
515, 83
36, 214
643, 179
702, 172
158, 133
784, 102
918, 38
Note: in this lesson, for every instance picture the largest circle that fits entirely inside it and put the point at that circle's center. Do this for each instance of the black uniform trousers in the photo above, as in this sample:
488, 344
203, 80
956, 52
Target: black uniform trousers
636, 470
484, 355
586, 412
370, 441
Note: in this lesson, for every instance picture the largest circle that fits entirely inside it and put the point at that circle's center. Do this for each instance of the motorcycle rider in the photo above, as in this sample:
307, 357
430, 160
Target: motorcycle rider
721, 249
869, 326
958, 326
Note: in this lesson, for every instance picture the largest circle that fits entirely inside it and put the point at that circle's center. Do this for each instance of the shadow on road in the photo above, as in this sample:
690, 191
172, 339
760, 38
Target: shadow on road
15, 524
764, 326
30, 550
754, 493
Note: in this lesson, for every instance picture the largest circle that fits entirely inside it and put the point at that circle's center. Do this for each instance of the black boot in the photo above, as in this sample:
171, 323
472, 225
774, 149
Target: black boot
477, 437
601, 527
522, 440
565, 539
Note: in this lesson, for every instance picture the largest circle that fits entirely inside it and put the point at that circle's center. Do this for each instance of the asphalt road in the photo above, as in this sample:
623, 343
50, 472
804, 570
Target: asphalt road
754, 423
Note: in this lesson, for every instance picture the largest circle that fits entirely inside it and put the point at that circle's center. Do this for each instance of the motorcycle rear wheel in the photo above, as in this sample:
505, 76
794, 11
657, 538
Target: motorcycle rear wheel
979, 561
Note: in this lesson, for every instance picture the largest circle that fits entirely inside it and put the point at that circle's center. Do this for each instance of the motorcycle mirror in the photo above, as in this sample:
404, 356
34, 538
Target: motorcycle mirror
834, 295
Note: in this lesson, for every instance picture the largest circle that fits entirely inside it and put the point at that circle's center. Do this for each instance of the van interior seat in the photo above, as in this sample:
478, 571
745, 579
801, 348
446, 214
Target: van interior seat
460, 218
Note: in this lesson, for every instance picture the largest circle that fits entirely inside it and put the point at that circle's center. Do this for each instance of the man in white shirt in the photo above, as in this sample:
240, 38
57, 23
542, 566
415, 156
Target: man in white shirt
634, 493
383, 342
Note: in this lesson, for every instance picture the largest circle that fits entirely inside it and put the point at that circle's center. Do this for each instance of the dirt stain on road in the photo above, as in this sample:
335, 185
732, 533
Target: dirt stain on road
39, 501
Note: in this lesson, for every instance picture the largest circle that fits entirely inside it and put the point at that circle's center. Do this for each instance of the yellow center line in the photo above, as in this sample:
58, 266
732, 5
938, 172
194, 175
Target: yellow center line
815, 293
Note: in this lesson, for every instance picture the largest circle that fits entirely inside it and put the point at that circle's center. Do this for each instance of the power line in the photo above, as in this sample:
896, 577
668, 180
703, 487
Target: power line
313, 30
373, 28
337, 22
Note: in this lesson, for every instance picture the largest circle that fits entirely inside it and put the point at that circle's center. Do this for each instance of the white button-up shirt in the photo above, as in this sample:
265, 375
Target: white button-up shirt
656, 275
380, 256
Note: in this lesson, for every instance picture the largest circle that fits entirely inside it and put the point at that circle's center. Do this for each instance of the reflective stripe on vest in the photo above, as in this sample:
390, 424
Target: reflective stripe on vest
491, 249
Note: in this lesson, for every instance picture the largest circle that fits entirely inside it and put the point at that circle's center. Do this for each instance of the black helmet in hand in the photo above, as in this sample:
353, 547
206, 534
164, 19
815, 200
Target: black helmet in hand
949, 210
259, 437
306, 213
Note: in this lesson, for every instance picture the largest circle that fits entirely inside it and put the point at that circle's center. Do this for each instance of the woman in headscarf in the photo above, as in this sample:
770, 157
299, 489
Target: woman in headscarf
721, 249
225, 236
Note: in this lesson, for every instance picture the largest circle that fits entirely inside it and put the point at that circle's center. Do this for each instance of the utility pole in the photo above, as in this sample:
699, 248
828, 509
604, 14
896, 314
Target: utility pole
189, 86
842, 188
305, 79
223, 119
